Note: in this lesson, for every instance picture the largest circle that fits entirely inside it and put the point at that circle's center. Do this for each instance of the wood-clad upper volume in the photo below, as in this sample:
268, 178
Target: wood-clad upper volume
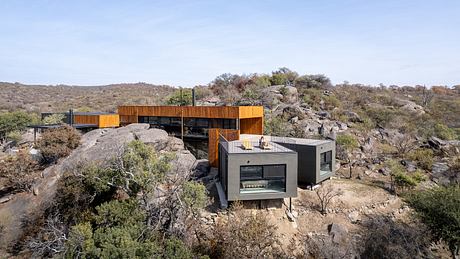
224, 112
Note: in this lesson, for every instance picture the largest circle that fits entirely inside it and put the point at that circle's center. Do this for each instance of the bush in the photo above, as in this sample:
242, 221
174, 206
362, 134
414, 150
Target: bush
242, 235
439, 209
117, 231
423, 157
57, 143
56, 118
312, 97
443, 132
14, 136
404, 181
177, 99
349, 142
194, 195
277, 127
381, 116
331, 102
20, 172
15, 121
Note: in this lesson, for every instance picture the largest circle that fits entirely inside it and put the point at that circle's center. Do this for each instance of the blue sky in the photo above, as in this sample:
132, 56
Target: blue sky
185, 43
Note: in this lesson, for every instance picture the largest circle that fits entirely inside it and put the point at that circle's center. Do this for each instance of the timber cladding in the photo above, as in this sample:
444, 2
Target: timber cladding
213, 144
127, 113
100, 120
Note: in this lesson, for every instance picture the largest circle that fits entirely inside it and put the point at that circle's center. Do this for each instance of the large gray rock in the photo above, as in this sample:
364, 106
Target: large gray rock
277, 94
97, 146
338, 233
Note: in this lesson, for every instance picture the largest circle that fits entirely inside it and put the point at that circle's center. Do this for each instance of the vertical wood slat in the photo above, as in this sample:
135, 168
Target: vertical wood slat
252, 126
229, 112
109, 121
213, 142
86, 119
100, 120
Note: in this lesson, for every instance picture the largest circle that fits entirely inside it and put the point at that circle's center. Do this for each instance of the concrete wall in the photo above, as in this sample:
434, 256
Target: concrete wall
237, 160
309, 161
320, 149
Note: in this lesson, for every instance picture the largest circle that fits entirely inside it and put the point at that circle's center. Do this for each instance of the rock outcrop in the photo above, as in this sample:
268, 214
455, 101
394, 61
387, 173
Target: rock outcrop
97, 146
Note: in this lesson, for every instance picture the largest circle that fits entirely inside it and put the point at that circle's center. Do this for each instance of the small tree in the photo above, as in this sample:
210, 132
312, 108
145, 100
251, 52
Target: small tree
348, 143
57, 143
15, 121
439, 209
180, 97
56, 118
423, 157
326, 194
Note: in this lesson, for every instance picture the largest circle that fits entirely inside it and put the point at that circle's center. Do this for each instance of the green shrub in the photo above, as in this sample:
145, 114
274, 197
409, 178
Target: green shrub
16, 121
419, 176
444, 132
404, 180
177, 99
194, 195
331, 102
387, 149
349, 142
312, 97
277, 127
423, 156
381, 115
56, 118
14, 136
117, 231
439, 209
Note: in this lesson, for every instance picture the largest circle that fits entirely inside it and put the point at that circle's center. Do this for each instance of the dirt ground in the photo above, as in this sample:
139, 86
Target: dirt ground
362, 198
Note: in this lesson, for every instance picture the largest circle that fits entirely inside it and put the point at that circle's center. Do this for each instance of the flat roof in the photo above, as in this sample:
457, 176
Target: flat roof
80, 113
54, 126
300, 141
236, 147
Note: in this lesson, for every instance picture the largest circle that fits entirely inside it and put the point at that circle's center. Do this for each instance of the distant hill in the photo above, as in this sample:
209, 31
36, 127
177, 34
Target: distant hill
44, 98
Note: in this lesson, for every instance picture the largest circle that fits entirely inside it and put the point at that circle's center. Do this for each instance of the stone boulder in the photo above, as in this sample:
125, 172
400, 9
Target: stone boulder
442, 174
97, 146
277, 94
338, 233
352, 116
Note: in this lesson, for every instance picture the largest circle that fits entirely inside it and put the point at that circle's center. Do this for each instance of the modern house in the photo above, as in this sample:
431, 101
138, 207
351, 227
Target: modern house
250, 168
195, 121
198, 123
256, 168
248, 171
90, 120
316, 157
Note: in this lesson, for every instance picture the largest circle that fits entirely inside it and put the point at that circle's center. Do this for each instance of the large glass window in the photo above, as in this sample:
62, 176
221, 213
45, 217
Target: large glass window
325, 162
260, 179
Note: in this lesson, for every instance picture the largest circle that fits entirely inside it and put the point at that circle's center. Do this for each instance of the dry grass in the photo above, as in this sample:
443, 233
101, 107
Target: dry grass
46, 98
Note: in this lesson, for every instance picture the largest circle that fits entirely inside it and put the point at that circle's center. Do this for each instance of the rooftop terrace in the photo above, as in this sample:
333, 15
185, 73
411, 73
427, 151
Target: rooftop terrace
303, 141
250, 146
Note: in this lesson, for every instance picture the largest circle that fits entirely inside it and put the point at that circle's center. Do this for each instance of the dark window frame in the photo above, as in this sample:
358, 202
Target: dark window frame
264, 177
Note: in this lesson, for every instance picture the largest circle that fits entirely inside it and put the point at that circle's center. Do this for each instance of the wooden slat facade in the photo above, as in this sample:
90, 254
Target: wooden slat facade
246, 112
223, 112
109, 121
252, 126
86, 119
100, 120
249, 120
213, 143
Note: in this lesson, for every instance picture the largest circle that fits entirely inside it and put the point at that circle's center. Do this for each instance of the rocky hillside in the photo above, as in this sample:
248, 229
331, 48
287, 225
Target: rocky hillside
48, 98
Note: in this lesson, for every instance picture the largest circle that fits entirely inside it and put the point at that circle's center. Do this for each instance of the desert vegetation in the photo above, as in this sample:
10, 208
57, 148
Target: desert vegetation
397, 156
